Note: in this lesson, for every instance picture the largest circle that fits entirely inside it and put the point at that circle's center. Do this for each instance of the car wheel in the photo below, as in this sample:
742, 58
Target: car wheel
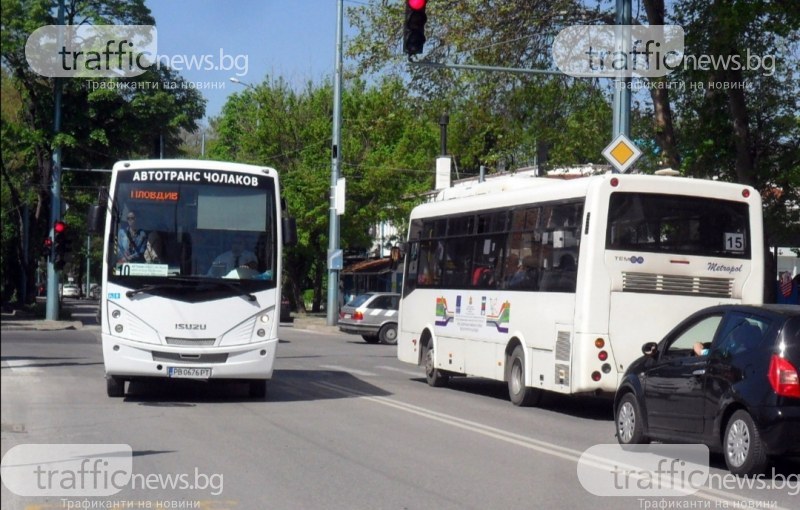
630, 428
434, 376
258, 389
520, 394
743, 448
115, 387
388, 334
370, 339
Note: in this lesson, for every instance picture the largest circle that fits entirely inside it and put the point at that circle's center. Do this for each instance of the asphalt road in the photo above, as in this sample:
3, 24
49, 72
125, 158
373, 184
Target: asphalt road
345, 425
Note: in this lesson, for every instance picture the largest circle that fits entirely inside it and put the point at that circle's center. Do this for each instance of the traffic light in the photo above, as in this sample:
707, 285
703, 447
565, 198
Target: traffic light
61, 245
414, 29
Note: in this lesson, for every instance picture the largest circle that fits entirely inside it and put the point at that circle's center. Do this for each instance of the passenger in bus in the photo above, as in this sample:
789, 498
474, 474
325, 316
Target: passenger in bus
234, 258
527, 275
154, 253
132, 241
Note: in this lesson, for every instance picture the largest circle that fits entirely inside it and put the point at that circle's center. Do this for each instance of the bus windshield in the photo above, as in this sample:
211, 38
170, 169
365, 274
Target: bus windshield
223, 229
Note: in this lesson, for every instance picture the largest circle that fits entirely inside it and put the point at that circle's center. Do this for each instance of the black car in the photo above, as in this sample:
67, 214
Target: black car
727, 377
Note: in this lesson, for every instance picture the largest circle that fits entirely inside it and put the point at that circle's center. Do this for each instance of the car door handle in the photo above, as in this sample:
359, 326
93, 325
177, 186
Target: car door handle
701, 371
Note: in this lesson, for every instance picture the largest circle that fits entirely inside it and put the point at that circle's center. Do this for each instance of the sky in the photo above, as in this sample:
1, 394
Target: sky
247, 39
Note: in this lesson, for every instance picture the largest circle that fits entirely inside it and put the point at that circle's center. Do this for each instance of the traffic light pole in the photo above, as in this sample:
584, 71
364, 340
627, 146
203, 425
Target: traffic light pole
53, 297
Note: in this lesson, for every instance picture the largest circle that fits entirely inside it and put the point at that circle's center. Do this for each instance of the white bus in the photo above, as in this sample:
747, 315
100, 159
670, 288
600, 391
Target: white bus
555, 285
191, 272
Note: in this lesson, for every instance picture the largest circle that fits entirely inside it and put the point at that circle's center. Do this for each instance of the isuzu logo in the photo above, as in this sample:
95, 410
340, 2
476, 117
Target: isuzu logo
196, 327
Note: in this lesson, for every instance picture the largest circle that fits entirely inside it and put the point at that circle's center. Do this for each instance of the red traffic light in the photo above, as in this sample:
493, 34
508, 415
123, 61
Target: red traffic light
417, 4
59, 227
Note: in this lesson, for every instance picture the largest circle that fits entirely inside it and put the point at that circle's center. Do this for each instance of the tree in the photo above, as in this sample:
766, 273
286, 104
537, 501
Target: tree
386, 157
103, 120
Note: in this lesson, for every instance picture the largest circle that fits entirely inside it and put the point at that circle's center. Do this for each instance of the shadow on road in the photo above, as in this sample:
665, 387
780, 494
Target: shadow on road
580, 406
285, 386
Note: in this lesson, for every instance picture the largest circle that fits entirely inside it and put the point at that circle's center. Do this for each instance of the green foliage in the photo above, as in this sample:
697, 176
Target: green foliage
103, 121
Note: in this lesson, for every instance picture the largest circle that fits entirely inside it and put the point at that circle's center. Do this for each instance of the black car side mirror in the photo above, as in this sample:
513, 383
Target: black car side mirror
650, 349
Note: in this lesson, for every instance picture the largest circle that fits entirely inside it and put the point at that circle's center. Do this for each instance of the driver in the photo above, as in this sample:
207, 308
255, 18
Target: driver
234, 258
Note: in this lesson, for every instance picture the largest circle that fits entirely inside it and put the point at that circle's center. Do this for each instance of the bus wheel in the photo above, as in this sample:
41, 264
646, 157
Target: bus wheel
520, 394
388, 334
435, 377
115, 387
630, 429
258, 389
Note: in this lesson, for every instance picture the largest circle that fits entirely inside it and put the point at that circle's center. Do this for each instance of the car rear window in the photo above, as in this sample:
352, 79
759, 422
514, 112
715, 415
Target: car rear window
359, 300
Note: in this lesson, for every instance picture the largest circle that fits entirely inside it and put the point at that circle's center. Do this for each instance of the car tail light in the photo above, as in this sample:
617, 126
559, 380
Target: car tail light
358, 316
783, 377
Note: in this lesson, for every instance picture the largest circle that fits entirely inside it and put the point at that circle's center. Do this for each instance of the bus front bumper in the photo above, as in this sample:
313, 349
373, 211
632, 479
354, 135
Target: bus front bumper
127, 359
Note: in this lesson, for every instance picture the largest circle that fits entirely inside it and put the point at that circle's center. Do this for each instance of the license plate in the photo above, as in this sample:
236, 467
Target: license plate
189, 372
347, 316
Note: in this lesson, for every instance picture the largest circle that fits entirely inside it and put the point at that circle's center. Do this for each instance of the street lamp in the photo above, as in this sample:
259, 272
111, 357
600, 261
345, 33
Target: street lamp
240, 82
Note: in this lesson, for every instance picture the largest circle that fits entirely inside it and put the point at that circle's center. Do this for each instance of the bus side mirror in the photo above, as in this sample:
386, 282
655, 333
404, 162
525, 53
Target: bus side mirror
95, 219
395, 255
289, 232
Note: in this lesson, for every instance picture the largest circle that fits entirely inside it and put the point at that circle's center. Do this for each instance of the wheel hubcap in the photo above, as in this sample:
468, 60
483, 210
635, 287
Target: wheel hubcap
516, 377
738, 443
626, 422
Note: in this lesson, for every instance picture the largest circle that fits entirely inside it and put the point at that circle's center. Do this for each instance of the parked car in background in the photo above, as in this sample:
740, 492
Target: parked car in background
94, 291
373, 316
71, 290
727, 377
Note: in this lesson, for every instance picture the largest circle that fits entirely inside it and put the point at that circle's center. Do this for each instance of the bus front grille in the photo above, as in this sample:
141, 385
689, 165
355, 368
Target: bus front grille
678, 285
169, 357
190, 341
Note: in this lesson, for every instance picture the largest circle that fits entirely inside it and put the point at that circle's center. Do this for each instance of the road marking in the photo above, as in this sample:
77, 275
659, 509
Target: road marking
22, 366
419, 373
722, 498
353, 371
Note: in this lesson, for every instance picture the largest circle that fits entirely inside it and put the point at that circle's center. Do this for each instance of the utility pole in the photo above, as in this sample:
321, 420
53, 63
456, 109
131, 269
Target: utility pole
622, 90
334, 255
53, 297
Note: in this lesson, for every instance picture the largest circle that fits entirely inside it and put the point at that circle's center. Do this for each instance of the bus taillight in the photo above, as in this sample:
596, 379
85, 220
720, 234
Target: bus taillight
595, 376
602, 355
599, 343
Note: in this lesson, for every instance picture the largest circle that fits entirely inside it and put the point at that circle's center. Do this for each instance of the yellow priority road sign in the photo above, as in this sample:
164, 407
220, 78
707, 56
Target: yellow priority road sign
621, 153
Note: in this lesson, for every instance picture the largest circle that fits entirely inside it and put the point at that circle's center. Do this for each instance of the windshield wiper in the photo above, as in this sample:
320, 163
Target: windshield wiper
147, 289
228, 284
233, 285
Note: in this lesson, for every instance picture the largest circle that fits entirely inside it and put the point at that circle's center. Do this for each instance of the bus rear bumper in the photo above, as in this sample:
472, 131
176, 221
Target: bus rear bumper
127, 359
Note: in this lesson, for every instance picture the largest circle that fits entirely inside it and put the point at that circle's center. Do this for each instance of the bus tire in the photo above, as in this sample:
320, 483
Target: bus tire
628, 419
388, 334
435, 377
258, 389
742, 445
115, 387
520, 394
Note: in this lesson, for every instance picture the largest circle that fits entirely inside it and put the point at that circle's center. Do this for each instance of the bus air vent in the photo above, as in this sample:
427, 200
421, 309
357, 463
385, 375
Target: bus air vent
562, 346
677, 285
190, 341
